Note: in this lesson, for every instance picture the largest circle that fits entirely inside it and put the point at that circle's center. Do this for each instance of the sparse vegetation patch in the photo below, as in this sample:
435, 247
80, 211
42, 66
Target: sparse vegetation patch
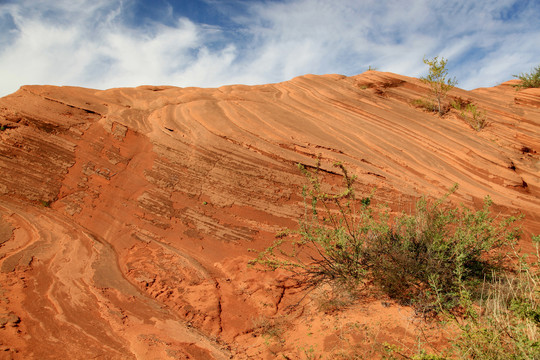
453, 262
435, 259
506, 324
424, 104
469, 112
529, 80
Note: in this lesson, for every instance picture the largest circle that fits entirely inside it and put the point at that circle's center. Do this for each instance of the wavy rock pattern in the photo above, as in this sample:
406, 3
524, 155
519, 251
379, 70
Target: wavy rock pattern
126, 214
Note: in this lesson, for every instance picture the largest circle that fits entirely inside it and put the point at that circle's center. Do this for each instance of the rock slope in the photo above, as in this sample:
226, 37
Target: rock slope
126, 215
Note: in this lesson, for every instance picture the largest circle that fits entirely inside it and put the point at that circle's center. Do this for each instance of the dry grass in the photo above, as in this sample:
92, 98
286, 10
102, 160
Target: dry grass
270, 327
424, 104
508, 323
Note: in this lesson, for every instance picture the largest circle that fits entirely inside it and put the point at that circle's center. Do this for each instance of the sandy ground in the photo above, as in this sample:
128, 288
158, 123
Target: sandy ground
127, 215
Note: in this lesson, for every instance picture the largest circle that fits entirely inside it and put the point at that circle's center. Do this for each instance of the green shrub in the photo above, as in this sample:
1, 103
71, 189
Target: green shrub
469, 112
328, 246
529, 80
475, 118
435, 259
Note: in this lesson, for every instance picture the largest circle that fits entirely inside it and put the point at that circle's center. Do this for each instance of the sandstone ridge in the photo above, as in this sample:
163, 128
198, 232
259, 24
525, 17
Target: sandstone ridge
126, 214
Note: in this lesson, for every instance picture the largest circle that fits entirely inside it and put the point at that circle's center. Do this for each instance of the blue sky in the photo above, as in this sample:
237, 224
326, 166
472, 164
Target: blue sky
114, 43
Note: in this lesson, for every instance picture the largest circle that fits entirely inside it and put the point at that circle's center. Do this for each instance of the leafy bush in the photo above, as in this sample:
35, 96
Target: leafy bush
529, 80
434, 259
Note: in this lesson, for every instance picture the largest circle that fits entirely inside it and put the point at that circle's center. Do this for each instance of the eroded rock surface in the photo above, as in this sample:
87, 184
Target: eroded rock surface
126, 215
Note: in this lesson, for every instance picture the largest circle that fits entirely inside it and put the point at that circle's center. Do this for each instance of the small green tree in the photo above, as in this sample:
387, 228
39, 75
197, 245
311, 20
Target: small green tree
529, 80
438, 79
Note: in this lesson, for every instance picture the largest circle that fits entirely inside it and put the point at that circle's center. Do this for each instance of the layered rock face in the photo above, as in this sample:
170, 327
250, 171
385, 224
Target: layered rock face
126, 215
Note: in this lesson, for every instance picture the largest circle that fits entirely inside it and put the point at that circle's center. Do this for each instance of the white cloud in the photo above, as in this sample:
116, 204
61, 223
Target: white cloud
395, 36
91, 46
94, 43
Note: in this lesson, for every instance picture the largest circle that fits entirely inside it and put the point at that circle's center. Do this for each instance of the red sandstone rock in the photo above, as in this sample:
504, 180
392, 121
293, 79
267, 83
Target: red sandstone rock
126, 214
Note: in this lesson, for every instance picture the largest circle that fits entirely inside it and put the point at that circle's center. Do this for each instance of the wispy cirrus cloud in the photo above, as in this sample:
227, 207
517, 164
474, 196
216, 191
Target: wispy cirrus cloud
485, 41
106, 43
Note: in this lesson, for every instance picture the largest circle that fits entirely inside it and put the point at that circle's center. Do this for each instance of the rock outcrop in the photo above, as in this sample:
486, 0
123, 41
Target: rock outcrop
126, 215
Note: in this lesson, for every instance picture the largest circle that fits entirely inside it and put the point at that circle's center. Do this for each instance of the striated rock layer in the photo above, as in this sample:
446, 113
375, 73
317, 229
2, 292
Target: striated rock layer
126, 215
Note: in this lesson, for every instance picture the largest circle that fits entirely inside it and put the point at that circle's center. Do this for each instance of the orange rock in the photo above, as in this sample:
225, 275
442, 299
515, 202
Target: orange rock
132, 209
